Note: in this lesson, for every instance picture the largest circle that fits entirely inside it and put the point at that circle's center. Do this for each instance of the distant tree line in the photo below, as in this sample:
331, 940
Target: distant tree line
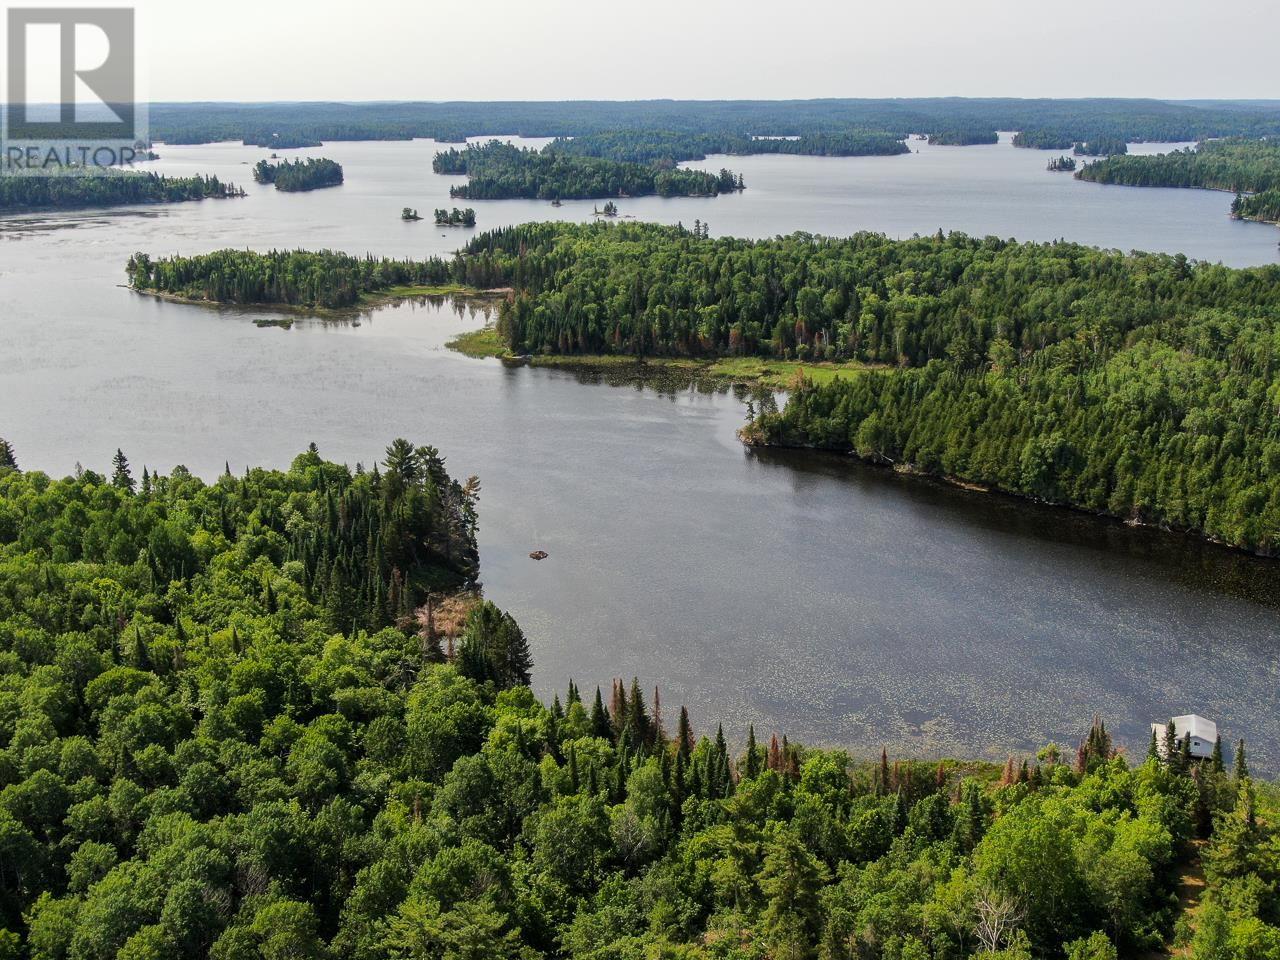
498, 170
1055, 123
105, 188
964, 136
667, 147
295, 176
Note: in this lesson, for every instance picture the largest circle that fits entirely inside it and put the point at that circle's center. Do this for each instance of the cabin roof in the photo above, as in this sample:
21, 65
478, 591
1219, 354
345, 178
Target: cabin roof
1197, 726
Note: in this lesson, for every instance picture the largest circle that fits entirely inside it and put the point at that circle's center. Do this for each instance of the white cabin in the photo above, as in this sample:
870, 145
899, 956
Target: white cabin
1204, 734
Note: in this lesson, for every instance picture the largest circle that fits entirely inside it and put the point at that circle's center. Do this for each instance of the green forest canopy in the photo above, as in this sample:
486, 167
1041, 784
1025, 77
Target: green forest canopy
224, 733
498, 171
103, 188
294, 176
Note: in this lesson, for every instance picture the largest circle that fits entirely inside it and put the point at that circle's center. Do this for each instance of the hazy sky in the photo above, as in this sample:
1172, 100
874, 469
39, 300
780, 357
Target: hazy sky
599, 49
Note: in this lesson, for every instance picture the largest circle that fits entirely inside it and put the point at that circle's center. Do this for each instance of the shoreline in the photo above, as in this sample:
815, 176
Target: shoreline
367, 301
485, 343
756, 443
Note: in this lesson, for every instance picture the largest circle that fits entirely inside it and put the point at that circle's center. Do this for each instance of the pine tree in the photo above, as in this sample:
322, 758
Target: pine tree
751, 761
8, 459
684, 734
882, 777
638, 715
1184, 753
1153, 749
1216, 759
121, 478
600, 726
1242, 765
1171, 743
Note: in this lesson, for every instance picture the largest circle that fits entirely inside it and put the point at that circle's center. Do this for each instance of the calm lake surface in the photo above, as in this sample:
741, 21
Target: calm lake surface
805, 594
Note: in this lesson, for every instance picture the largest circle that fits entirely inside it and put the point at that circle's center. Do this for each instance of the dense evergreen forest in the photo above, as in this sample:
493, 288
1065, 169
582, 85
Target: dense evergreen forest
250, 719
1233, 165
104, 188
964, 136
667, 148
294, 278
1264, 206
1101, 147
1066, 121
1042, 140
295, 176
1062, 164
499, 171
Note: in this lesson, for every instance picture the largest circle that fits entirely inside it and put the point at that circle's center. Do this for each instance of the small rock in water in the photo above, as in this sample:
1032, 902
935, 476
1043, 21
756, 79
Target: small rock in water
538, 555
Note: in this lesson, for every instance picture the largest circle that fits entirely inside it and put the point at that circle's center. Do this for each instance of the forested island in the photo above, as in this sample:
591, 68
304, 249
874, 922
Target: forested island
456, 217
104, 188
1062, 164
1138, 386
296, 176
500, 171
269, 716
296, 278
1058, 124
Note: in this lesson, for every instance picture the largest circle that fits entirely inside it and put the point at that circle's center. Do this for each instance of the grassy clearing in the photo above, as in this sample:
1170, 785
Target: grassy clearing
479, 343
772, 373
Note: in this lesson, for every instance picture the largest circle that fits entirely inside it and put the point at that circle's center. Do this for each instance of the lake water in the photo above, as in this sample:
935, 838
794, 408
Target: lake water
805, 594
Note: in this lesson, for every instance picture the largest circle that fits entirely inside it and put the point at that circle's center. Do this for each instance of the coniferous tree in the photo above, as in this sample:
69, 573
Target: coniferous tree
1153, 748
751, 759
121, 478
1171, 744
1241, 764
8, 459
1216, 759
600, 725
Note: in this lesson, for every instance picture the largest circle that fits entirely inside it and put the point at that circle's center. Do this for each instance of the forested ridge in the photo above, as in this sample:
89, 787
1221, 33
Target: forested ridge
226, 731
104, 188
499, 171
1059, 122
295, 176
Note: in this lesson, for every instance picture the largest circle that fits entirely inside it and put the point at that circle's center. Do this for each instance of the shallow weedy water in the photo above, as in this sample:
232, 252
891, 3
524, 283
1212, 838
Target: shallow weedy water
802, 593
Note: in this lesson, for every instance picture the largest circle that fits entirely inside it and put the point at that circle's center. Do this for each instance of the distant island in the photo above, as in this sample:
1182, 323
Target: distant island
498, 171
409, 214
456, 218
296, 176
105, 188
1062, 164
